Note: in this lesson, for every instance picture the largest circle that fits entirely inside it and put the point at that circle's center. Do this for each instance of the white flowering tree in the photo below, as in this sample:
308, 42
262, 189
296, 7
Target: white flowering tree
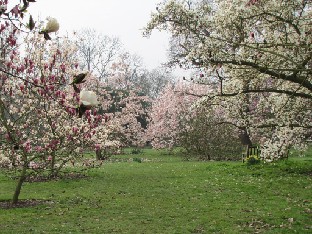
258, 52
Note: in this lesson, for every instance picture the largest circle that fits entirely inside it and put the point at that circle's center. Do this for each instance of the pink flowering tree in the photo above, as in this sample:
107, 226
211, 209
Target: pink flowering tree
169, 113
44, 122
124, 106
166, 117
180, 117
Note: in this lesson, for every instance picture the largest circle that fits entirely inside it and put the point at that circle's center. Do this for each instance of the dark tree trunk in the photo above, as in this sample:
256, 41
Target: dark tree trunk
98, 154
19, 184
244, 137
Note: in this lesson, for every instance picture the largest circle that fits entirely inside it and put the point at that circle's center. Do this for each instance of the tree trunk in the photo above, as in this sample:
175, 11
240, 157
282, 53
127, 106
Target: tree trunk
98, 154
52, 173
244, 137
20, 183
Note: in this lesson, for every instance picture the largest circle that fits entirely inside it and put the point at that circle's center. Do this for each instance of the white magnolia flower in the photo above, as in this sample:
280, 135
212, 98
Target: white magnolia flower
52, 25
88, 98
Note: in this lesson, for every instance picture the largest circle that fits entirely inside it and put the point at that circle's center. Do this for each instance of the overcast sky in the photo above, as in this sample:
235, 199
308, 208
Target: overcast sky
122, 18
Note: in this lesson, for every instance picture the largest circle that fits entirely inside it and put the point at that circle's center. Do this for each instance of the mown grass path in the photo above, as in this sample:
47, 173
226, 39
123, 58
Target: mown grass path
165, 194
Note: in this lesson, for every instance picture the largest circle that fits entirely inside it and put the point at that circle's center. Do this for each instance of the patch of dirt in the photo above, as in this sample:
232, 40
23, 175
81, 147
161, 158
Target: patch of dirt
41, 178
23, 203
309, 173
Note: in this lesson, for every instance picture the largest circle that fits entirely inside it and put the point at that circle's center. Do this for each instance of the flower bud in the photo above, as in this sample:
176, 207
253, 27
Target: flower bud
52, 25
88, 98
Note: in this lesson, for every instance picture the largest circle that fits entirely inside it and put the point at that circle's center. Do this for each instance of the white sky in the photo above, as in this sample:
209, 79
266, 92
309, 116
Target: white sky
122, 18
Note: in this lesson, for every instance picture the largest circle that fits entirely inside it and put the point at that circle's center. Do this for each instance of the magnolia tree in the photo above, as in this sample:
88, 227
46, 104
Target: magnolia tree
179, 118
125, 107
166, 113
44, 123
259, 55
169, 111
210, 136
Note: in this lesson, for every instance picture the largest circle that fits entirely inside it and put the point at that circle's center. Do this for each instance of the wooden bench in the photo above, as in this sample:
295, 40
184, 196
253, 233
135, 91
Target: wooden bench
250, 150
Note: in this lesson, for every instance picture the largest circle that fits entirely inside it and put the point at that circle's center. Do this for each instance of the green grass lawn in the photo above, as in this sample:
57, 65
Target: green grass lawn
166, 194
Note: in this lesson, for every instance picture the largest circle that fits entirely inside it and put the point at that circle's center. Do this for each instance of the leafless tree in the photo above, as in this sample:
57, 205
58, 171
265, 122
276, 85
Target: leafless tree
97, 51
